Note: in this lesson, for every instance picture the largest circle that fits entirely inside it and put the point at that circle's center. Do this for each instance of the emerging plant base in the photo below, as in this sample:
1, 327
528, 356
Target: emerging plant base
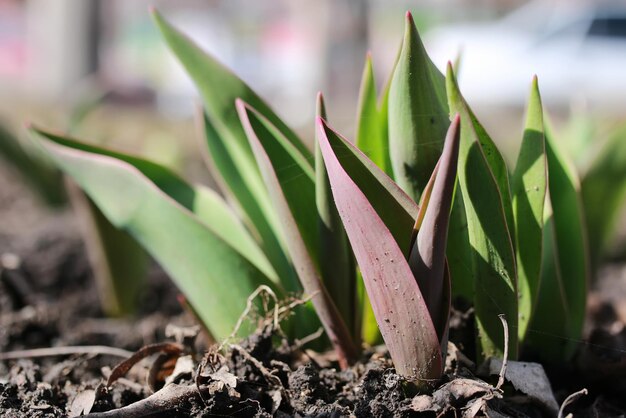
263, 375
266, 376
258, 378
51, 301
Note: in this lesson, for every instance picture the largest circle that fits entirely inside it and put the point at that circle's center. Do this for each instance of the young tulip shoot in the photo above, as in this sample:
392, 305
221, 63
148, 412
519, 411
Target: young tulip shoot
401, 311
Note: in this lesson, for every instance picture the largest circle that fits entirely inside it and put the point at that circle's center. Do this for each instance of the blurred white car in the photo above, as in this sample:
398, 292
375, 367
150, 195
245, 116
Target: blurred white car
578, 51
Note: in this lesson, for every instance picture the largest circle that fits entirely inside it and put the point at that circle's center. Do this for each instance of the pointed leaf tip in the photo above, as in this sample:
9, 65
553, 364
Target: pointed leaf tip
319, 123
240, 104
456, 123
409, 17
449, 69
320, 106
417, 114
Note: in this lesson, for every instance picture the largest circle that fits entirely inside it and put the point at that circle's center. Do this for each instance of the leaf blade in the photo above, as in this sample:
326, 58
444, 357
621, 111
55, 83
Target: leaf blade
428, 255
371, 129
388, 279
529, 195
493, 255
118, 262
418, 114
251, 199
604, 194
298, 249
200, 269
219, 88
567, 274
395, 207
228, 145
336, 261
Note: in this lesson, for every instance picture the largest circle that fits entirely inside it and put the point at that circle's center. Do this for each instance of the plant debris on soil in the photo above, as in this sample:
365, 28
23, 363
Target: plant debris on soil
159, 364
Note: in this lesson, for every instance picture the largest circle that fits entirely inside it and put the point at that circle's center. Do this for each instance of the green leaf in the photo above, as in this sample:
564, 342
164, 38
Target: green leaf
118, 262
459, 252
371, 130
400, 310
205, 203
228, 146
370, 332
219, 89
529, 196
234, 174
214, 212
570, 235
546, 336
294, 173
336, 261
292, 190
34, 167
216, 277
565, 274
394, 207
604, 195
498, 169
418, 116
493, 256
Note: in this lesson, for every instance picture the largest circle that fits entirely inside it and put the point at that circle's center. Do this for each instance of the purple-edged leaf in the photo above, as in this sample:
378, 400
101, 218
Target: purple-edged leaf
400, 310
220, 87
394, 207
371, 138
206, 204
428, 256
336, 261
239, 178
227, 144
212, 272
280, 185
293, 170
423, 205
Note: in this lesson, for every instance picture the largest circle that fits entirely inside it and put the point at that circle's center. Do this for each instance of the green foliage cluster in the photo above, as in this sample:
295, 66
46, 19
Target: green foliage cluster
340, 218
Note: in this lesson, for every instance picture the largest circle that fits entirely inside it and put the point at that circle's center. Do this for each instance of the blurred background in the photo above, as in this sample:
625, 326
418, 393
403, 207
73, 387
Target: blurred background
54, 54
100, 69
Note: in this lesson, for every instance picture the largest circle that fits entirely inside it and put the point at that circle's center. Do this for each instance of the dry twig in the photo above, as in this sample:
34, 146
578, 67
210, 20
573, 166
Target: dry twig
505, 358
169, 398
121, 369
101, 350
570, 399
246, 311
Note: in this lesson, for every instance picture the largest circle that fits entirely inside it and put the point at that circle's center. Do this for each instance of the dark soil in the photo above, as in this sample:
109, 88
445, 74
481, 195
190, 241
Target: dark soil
48, 299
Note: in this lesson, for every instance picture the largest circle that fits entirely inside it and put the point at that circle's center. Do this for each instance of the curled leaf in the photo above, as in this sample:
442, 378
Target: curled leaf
428, 255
